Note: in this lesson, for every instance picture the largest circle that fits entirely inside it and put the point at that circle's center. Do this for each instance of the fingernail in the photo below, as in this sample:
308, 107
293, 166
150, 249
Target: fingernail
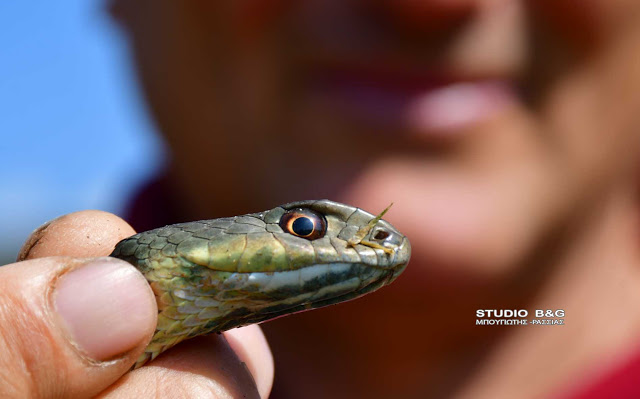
106, 306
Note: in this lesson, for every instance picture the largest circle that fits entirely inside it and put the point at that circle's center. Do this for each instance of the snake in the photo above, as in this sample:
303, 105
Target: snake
213, 275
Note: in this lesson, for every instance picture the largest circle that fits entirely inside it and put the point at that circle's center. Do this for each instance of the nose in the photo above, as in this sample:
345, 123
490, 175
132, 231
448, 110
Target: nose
425, 15
384, 234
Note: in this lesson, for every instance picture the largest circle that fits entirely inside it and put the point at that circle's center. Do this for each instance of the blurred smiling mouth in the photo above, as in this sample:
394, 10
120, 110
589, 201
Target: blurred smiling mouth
366, 68
427, 106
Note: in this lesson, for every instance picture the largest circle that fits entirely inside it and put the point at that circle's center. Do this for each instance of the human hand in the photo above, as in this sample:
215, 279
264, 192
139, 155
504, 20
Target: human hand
73, 322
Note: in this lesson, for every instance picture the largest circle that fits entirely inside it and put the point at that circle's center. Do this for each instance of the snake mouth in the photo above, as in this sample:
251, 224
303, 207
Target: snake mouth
272, 295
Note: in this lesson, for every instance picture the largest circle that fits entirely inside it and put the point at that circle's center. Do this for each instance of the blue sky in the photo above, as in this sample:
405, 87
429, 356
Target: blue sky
74, 132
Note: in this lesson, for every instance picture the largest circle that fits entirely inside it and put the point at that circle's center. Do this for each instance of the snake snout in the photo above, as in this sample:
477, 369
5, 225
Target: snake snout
386, 235
402, 256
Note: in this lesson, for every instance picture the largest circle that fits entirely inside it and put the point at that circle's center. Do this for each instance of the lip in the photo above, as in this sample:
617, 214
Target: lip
418, 104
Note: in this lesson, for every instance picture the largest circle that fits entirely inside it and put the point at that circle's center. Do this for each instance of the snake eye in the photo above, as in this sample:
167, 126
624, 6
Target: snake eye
304, 223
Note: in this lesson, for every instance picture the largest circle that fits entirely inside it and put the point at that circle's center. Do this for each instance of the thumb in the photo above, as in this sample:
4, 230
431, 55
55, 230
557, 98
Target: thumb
70, 327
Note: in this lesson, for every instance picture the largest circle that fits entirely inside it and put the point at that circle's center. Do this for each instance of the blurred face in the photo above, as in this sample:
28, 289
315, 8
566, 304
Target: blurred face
487, 122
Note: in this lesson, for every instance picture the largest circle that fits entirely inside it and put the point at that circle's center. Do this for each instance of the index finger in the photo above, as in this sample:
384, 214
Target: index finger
89, 233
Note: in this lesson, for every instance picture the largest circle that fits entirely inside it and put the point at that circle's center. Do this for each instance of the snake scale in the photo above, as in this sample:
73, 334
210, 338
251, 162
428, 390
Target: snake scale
214, 275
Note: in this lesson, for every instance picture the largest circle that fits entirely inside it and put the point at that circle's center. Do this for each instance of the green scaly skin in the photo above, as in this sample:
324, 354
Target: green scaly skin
214, 275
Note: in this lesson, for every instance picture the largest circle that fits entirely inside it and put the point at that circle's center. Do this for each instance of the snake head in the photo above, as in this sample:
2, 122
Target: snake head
304, 257
214, 275
355, 235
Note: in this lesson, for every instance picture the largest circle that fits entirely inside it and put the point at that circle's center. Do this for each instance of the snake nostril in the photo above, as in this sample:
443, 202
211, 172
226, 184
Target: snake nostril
380, 235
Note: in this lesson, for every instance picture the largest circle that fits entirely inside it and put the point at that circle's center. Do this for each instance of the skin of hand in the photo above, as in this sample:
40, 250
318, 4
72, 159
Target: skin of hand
73, 321
506, 133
